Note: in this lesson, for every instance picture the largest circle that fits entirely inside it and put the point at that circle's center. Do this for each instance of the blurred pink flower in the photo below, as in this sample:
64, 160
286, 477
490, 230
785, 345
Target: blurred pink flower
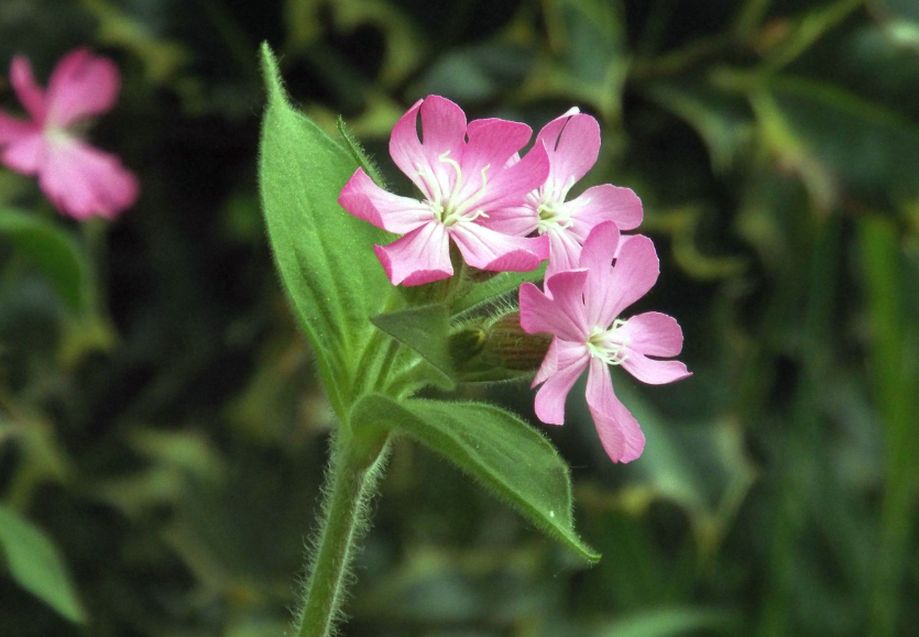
469, 176
79, 179
581, 309
572, 142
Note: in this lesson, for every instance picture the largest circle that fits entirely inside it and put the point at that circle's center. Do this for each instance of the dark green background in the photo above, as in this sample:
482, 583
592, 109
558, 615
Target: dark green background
172, 441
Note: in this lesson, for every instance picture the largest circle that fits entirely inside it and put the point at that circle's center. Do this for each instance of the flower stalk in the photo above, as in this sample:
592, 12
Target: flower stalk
353, 475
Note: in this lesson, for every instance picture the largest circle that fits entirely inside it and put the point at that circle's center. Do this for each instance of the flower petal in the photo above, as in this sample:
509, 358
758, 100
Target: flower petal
365, 200
519, 220
25, 155
443, 127
13, 129
619, 432
510, 186
573, 143
653, 334
82, 85
654, 372
487, 249
493, 141
421, 256
570, 360
564, 251
600, 247
84, 182
610, 291
557, 314
549, 364
604, 203
27, 89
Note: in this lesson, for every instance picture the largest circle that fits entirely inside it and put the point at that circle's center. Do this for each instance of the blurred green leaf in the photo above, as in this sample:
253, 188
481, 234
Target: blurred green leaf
425, 330
162, 58
720, 119
36, 564
324, 255
54, 252
872, 150
701, 467
476, 73
676, 621
404, 48
494, 447
590, 59
802, 32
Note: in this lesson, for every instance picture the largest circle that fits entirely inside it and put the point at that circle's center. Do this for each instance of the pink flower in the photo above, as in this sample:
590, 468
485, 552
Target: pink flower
573, 144
469, 176
79, 179
581, 310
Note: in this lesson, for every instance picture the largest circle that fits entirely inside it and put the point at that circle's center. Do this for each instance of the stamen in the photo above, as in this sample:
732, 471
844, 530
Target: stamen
458, 183
608, 346
431, 189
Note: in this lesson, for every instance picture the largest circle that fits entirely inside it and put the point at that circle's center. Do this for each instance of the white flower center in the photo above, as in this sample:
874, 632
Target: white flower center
553, 215
57, 136
452, 207
552, 211
609, 345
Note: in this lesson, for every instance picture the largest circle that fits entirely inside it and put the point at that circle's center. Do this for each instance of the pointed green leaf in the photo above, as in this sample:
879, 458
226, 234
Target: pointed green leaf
424, 329
324, 255
495, 447
36, 564
54, 252
359, 154
493, 289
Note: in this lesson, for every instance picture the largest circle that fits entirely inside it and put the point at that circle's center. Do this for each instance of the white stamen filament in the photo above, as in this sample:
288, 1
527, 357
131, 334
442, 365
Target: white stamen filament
450, 208
609, 345
552, 211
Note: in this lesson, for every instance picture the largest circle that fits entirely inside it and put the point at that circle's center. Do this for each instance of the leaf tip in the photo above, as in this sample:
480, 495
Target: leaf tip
271, 73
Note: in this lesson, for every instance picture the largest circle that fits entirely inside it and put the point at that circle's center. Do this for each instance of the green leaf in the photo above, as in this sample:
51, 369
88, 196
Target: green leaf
36, 565
54, 253
425, 329
492, 289
359, 154
324, 255
493, 446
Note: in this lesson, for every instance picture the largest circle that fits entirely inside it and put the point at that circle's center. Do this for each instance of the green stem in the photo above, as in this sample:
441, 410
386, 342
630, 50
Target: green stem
351, 484
892, 362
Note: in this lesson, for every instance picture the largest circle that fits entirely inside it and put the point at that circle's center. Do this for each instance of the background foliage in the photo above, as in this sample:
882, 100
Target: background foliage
162, 436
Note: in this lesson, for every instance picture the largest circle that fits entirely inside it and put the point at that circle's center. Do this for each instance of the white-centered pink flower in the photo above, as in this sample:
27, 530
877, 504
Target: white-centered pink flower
572, 142
80, 180
581, 309
469, 177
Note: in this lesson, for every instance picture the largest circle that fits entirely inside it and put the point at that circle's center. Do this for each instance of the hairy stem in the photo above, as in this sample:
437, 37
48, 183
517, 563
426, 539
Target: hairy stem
351, 483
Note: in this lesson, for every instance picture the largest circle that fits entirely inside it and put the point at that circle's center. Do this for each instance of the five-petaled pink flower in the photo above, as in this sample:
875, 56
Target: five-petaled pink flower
572, 141
581, 309
79, 179
471, 179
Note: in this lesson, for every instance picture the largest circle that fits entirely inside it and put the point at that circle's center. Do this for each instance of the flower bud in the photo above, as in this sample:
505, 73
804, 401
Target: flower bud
513, 348
497, 349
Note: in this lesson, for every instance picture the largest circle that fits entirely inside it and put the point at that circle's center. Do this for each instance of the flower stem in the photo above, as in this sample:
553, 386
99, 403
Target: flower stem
351, 483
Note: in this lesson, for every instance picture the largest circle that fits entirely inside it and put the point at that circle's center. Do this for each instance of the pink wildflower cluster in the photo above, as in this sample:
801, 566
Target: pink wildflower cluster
505, 212
80, 180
